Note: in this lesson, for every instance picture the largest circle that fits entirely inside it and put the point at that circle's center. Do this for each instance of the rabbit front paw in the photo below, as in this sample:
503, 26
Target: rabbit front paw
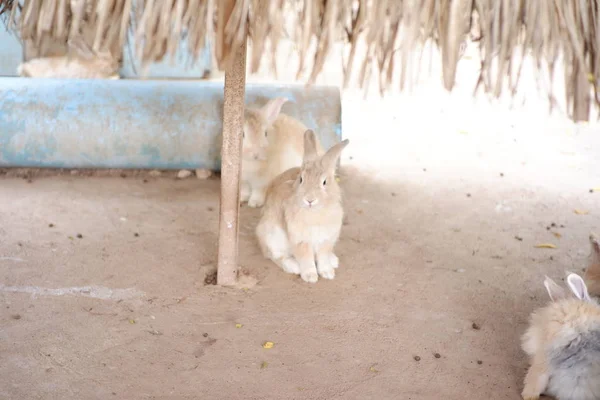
325, 267
310, 276
257, 199
290, 266
244, 193
334, 260
327, 273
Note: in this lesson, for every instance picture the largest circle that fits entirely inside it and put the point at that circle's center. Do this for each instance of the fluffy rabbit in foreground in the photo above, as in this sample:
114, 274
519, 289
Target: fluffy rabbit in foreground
563, 342
83, 64
273, 143
302, 216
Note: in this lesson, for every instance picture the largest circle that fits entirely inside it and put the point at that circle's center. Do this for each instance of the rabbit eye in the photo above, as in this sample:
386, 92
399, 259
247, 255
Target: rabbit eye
324, 181
300, 179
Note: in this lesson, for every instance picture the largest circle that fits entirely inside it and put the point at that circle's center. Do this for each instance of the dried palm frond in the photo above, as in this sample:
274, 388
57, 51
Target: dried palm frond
391, 34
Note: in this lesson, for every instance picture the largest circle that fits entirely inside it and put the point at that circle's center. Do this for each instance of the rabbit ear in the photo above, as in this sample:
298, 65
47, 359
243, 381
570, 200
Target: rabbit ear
330, 159
310, 146
578, 287
592, 272
272, 109
554, 291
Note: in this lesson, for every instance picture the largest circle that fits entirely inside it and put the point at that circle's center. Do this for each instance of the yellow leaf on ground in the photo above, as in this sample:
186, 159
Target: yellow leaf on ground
132, 321
238, 325
372, 369
545, 246
264, 365
558, 235
581, 212
268, 345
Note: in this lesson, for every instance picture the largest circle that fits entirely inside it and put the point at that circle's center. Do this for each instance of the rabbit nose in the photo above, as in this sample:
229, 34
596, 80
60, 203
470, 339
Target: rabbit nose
311, 202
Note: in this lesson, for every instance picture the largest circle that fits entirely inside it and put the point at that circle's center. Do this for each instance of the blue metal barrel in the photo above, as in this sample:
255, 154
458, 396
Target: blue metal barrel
160, 124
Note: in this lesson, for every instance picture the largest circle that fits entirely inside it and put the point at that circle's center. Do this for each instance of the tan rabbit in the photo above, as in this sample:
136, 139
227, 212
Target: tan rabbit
592, 273
563, 343
83, 64
273, 143
302, 216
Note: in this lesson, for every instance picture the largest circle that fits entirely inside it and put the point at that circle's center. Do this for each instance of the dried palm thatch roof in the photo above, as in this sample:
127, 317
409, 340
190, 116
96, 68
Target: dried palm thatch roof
552, 32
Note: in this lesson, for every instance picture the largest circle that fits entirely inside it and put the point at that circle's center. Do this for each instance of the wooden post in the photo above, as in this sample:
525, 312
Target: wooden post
233, 125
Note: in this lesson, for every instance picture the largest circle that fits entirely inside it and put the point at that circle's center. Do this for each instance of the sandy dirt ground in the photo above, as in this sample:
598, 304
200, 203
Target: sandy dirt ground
105, 281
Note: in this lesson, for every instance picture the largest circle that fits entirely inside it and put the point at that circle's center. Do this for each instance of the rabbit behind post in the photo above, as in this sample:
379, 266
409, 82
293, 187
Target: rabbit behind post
563, 343
302, 216
81, 63
273, 143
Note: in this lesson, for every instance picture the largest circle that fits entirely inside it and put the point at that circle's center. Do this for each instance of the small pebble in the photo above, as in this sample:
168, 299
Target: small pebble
79, 236
210, 209
417, 358
393, 194
424, 169
475, 326
437, 355
479, 362
123, 175
202, 173
553, 225
50, 225
502, 174
15, 316
136, 234
205, 334
184, 173
468, 194
145, 180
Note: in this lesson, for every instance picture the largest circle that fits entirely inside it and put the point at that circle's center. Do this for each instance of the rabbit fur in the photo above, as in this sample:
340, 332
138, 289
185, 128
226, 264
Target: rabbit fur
273, 143
563, 343
83, 64
302, 216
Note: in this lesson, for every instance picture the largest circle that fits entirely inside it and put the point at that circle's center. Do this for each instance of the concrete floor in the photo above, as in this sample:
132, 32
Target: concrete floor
102, 278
